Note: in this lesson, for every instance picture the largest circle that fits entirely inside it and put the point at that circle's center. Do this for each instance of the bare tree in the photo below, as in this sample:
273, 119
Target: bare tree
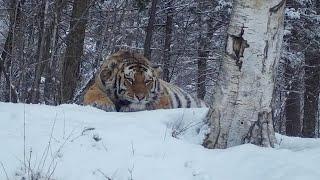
74, 49
51, 90
150, 28
312, 76
312, 91
293, 105
241, 111
35, 94
10, 45
39, 53
167, 41
207, 26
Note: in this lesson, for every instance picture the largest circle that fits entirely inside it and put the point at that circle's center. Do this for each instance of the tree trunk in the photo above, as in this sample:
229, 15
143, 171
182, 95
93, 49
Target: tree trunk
312, 90
167, 42
74, 49
204, 43
293, 101
203, 54
241, 110
51, 89
9, 46
41, 52
202, 68
317, 6
7, 51
149, 30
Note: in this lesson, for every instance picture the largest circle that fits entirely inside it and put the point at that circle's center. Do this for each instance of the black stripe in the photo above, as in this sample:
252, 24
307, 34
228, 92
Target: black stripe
117, 106
158, 87
168, 94
188, 100
102, 81
115, 88
182, 93
144, 67
154, 86
119, 85
199, 102
177, 98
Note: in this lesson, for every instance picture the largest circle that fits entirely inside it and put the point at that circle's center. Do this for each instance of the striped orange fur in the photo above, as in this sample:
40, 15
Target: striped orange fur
128, 82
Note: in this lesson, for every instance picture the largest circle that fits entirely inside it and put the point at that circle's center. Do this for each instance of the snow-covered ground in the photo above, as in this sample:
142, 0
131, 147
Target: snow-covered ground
71, 142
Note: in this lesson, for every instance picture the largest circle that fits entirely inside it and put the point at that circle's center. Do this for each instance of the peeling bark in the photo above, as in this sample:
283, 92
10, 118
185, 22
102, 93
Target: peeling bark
260, 132
238, 46
242, 102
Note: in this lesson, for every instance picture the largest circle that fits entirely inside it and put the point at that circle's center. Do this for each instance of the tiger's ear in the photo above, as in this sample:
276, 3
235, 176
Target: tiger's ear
112, 64
105, 74
157, 70
107, 70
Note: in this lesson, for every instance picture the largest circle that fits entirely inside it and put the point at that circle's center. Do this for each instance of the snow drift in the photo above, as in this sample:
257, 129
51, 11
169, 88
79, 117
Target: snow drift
71, 142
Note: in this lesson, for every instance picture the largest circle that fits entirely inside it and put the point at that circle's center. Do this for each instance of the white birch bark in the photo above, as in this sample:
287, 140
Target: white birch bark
241, 111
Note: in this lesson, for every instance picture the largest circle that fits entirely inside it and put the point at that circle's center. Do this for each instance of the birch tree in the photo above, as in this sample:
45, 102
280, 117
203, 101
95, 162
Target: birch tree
241, 111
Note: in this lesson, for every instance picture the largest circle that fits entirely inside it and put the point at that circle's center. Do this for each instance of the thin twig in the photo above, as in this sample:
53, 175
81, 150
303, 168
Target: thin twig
131, 172
83, 132
24, 135
53, 170
132, 148
46, 151
4, 170
29, 162
104, 146
53, 163
104, 175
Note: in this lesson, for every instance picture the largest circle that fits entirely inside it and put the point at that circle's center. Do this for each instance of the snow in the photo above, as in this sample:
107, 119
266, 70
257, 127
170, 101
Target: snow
86, 143
291, 13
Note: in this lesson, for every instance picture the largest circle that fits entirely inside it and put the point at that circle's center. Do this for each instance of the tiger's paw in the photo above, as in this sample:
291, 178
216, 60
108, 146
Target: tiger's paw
105, 107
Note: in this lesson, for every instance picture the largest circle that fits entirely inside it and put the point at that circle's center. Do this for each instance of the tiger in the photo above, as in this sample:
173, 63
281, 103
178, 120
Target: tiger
128, 82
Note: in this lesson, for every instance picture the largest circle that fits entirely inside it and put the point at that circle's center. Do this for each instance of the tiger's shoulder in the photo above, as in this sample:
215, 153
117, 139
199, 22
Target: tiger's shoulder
99, 94
173, 97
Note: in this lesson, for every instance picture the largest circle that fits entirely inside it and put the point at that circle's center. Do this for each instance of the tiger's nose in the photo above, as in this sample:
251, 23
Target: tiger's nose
140, 96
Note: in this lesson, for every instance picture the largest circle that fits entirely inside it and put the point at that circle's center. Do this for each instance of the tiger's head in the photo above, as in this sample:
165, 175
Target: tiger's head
130, 80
